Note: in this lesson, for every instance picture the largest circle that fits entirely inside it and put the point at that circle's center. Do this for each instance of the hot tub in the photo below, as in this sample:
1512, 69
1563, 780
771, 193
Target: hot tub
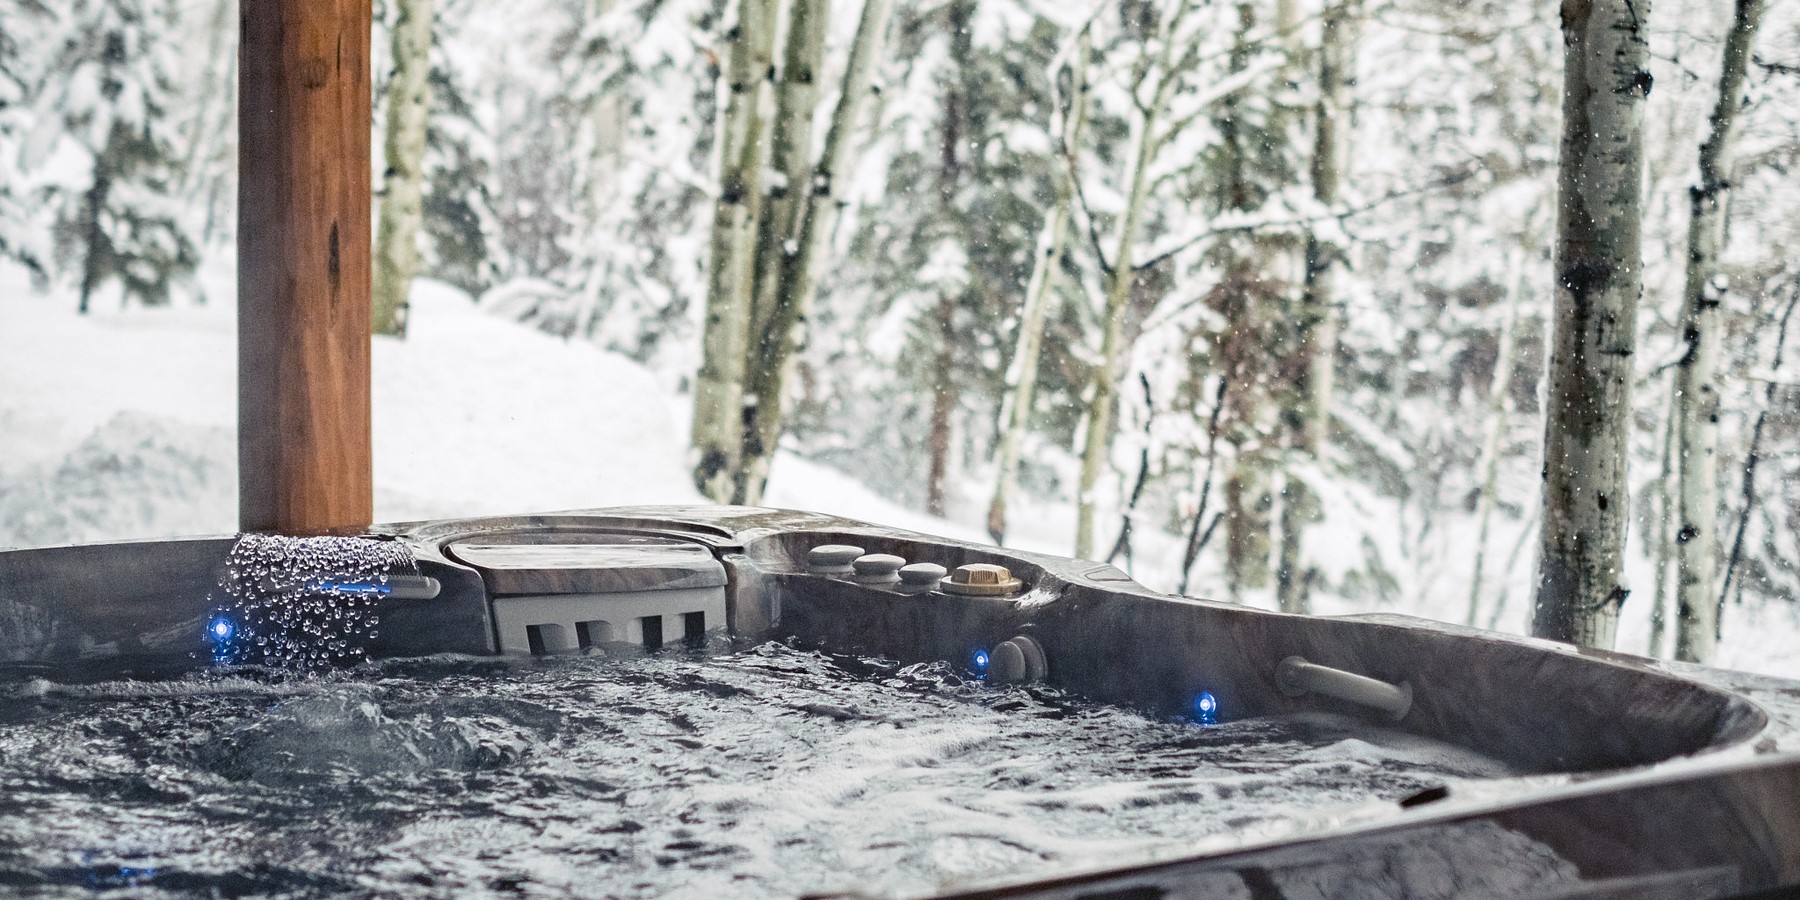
1533, 769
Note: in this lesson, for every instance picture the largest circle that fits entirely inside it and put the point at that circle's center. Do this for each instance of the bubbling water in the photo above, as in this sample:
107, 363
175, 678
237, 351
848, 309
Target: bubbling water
302, 603
769, 771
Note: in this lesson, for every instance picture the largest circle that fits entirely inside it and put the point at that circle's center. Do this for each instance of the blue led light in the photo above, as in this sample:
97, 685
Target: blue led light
980, 661
353, 587
1206, 709
220, 629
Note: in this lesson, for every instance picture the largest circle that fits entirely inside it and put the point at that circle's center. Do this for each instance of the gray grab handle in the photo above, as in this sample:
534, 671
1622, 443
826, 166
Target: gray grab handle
1295, 676
412, 587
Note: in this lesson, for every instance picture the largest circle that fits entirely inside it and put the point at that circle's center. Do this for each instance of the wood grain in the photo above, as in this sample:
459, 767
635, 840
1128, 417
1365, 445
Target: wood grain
303, 267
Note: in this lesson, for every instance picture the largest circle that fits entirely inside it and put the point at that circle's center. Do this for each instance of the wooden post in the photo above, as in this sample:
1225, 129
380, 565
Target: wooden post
303, 266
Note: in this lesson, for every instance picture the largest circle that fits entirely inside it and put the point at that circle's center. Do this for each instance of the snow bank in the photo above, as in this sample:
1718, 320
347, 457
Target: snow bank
136, 475
121, 424
477, 415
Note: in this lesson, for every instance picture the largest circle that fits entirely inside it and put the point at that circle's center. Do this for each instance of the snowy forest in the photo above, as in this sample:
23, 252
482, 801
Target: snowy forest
1255, 299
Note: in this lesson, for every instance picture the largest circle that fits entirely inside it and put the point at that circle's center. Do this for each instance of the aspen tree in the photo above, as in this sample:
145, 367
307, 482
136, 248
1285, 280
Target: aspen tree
825, 196
403, 179
1697, 374
215, 71
815, 192
1664, 538
1150, 137
771, 325
955, 138
1598, 267
719, 386
1022, 376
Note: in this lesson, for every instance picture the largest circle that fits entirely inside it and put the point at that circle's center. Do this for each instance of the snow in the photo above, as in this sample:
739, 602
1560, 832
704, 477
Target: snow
121, 424
463, 428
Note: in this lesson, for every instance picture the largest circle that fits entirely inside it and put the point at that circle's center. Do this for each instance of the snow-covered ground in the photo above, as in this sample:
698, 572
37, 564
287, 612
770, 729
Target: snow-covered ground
121, 424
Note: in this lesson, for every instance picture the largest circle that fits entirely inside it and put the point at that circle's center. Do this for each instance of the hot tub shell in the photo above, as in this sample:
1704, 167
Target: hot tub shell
1652, 780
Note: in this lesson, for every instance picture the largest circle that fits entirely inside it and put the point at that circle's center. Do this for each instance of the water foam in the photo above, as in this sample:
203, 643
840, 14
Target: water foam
769, 771
304, 603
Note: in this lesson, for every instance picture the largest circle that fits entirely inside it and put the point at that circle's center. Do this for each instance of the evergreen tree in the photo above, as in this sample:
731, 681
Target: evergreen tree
407, 111
640, 114
27, 22
457, 215
104, 109
916, 321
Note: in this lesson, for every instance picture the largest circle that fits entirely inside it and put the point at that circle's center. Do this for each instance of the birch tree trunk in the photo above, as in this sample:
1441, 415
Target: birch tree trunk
780, 330
1022, 377
944, 396
403, 179
1248, 505
1664, 540
1248, 499
1697, 374
771, 324
1587, 425
606, 124
825, 198
1098, 439
1331, 140
1318, 316
719, 385
210, 159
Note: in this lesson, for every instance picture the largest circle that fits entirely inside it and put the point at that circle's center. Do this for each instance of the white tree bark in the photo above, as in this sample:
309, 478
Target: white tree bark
1097, 443
800, 278
206, 164
1021, 383
1331, 142
1598, 266
606, 125
1697, 374
818, 220
1664, 538
403, 180
771, 327
724, 342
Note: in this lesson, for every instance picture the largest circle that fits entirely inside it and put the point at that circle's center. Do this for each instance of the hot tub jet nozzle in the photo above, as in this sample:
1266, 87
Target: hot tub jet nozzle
1018, 661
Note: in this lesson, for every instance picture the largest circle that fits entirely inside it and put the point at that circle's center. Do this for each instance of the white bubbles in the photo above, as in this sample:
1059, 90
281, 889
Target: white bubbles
304, 603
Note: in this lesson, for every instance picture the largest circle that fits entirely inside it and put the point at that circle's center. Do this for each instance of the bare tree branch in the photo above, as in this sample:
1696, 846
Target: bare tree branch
1197, 538
1259, 223
1754, 456
1123, 544
1087, 212
1775, 68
